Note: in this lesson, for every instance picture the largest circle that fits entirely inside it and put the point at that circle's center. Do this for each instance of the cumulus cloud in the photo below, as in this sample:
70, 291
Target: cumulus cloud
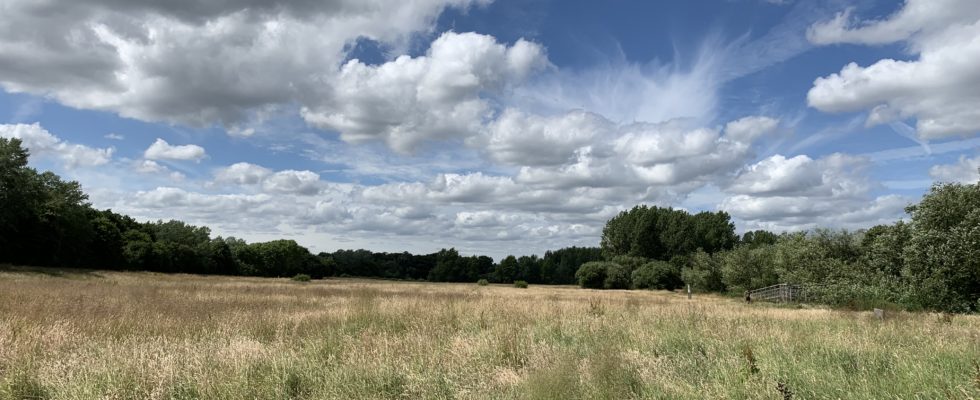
588, 171
407, 101
242, 173
795, 193
641, 155
40, 142
282, 182
778, 175
149, 167
292, 181
194, 62
966, 170
517, 138
940, 89
749, 129
161, 150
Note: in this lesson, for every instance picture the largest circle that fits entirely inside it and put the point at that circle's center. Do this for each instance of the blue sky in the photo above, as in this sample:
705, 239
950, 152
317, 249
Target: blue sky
496, 127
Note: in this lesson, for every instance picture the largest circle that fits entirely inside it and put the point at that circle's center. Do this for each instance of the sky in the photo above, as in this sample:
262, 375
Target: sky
495, 127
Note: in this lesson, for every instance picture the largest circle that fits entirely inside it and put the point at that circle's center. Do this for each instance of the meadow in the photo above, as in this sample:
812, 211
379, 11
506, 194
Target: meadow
118, 335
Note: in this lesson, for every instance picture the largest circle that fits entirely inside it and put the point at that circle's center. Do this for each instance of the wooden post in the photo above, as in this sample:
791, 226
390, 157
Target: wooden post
688, 291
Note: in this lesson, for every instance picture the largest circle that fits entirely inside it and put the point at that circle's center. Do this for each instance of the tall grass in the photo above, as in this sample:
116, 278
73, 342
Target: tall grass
142, 335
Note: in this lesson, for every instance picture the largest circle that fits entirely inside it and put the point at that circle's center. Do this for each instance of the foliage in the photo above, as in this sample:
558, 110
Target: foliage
657, 275
592, 274
662, 233
758, 238
748, 267
506, 271
942, 256
301, 278
617, 276
930, 262
559, 266
46, 221
703, 272
451, 267
520, 284
483, 282
630, 262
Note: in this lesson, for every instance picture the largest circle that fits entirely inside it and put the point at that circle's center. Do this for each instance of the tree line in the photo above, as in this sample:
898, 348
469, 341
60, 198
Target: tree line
930, 262
47, 221
447, 265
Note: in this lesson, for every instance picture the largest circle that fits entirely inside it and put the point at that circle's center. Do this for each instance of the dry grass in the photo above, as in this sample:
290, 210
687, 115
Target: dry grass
142, 335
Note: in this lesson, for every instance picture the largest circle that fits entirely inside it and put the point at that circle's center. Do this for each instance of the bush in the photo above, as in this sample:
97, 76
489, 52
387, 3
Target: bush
631, 262
657, 275
520, 284
617, 276
482, 282
748, 268
301, 278
703, 273
592, 274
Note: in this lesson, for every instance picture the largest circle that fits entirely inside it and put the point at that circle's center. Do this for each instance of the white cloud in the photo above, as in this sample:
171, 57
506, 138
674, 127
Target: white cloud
484, 219
149, 167
780, 193
114, 136
688, 86
408, 101
580, 149
940, 89
590, 169
626, 92
40, 142
287, 181
966, 170
292, 181
242, 173
194, 63
161, 150
748, 129
777, 175
517, 138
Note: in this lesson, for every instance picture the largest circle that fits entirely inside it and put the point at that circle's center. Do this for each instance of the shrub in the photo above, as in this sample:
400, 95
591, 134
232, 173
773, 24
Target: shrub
520, 284
617, 276
482, 282
592, 274
703, 273
747, 268
301, 278
631, 262
657, 275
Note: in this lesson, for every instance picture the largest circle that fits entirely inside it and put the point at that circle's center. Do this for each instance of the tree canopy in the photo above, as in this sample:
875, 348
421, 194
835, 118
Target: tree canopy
662, 233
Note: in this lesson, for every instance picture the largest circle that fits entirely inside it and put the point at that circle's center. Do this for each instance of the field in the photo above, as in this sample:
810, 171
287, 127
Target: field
93, 334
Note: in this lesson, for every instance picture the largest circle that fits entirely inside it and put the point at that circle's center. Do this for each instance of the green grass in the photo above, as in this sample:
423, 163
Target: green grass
89, 335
